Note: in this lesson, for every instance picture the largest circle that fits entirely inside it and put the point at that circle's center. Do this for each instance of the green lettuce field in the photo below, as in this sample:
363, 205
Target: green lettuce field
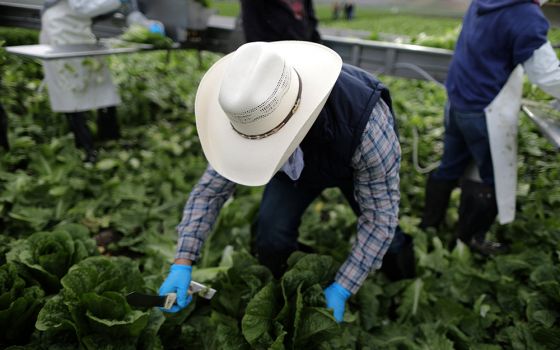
75, 238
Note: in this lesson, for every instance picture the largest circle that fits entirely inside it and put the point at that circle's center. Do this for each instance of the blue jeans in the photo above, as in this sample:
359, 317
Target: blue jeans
465, 140
279, 217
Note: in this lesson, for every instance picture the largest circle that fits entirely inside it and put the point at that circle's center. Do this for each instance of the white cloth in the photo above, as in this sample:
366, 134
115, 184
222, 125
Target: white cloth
502, 116
93, 8
543, 69
76, 85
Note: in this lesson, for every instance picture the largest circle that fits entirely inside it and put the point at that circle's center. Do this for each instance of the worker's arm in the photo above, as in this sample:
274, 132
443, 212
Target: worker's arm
200, 213
93, 8
543, 69
376, 164
531, 48
376, 181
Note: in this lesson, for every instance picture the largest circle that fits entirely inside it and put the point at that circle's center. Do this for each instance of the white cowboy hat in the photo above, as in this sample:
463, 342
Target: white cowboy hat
254, 106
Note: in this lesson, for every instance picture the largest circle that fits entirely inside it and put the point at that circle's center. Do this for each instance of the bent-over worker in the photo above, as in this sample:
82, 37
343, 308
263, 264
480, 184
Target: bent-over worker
289, 115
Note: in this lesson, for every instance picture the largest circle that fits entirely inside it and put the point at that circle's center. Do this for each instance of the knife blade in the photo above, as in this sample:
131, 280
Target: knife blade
148, 300
202, 290
167, 301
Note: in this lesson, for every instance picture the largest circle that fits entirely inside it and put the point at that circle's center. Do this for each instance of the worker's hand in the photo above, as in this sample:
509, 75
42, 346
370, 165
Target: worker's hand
178, 281
336, 296
138, 18
156, 27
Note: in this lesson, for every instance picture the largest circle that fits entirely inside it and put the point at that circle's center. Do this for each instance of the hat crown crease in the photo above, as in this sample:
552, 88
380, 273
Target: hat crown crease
247, 155
257, 90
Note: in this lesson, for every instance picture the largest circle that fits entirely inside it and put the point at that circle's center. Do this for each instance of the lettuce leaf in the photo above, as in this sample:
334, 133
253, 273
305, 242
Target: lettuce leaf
92, 304
258, 324
19, 305
47, 256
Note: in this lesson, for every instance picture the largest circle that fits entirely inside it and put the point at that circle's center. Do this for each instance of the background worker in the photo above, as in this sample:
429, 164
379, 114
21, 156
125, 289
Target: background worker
349, 9
484, 87
336, 7
290, 116
79, 85
275, 20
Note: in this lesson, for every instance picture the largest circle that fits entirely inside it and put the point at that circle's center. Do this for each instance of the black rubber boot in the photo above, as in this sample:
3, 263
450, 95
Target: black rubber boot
82, 135
107, 124
487, 248
477, 212
399, 262
4, 129
438, 193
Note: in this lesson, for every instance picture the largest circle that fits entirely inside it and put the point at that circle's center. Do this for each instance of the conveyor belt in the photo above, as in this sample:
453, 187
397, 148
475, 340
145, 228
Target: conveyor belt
223, 34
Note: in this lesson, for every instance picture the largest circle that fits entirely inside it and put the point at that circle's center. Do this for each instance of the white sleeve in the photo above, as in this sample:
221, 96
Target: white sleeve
93, 8
543, 69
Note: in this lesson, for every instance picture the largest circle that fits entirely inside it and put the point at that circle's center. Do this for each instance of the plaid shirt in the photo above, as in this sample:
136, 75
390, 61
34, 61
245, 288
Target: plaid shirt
376, 164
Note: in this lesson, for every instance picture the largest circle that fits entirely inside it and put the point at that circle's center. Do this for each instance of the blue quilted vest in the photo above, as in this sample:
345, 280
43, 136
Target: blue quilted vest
330, 144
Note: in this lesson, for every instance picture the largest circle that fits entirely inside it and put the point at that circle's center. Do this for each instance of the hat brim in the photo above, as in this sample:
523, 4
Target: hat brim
254, 162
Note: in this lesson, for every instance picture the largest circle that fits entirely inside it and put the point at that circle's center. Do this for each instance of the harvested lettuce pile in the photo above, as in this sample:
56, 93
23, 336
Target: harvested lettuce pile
142, 35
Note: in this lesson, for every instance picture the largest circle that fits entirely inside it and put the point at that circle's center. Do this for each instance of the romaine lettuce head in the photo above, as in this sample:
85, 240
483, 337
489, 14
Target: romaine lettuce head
292, 313
19, 305
92, 303
47, 256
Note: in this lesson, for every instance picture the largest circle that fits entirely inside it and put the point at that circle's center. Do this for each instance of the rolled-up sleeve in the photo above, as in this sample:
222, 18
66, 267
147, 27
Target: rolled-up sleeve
200, 213
376, 164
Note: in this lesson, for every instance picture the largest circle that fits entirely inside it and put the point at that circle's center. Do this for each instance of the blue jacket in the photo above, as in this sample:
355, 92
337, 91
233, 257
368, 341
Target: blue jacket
497, 35
331, 142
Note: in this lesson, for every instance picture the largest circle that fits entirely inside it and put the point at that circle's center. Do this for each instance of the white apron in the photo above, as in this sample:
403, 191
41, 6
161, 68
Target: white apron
78, 84
502, 116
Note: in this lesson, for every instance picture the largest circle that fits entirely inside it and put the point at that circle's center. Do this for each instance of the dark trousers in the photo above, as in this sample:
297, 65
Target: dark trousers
279, 217
465, 140
107, 124
82, 135
107, 127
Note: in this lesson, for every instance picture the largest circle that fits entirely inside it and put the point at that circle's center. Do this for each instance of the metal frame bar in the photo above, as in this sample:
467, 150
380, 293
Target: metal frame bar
548, 128
401, 60
47, 52
552, 13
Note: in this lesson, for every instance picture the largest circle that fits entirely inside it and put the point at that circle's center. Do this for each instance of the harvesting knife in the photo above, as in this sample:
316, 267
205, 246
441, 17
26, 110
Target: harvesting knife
167, 301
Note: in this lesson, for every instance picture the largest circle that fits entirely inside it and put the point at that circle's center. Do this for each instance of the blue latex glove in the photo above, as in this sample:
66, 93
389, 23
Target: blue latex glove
336, 296
156, 27
177, 281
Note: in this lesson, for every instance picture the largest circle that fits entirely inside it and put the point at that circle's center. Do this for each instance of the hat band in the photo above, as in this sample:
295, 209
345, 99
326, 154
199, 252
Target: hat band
282, 123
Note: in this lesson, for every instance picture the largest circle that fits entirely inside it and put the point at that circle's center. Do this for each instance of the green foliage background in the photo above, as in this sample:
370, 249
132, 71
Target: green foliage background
129, 203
